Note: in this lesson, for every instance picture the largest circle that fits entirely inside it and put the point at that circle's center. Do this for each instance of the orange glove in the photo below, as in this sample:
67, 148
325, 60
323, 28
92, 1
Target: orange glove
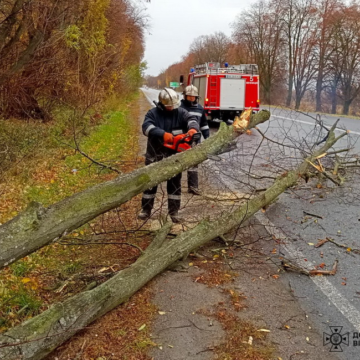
168, 138
191, 132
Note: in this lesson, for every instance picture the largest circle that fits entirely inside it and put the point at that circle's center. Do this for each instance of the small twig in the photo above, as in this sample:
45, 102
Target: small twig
273, 141
325, 272
317, 216
288, 266
321, 243
331, 178
223, 238
355, 251
337, 151
93, 160
198, 327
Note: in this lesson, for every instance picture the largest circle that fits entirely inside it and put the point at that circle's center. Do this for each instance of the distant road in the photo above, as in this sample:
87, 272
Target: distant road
300, 123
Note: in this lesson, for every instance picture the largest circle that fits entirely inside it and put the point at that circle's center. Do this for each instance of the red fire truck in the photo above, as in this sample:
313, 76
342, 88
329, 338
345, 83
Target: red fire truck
225, 92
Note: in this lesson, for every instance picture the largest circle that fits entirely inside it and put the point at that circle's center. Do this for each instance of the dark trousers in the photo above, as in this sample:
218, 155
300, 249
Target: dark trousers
173, 187
192, 177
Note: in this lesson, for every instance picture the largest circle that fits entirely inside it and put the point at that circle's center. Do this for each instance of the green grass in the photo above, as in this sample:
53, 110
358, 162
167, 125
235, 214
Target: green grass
48, 177
20, 302
106, 144
72, 267
21, 268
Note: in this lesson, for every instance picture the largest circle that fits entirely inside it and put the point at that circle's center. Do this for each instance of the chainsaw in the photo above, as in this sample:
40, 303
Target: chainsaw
183, 142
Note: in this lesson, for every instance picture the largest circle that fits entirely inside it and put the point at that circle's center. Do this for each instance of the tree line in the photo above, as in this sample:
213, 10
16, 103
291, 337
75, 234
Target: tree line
306, 50
67, 53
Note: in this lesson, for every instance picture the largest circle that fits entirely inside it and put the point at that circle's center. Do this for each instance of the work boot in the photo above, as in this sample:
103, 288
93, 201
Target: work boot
144, 215
194, 191
175, 218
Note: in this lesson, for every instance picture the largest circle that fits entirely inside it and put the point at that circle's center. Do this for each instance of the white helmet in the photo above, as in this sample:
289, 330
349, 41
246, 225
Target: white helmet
169, 98
191, 90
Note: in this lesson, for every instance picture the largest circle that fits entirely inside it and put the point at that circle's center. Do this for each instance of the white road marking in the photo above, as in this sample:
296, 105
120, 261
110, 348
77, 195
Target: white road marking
330, 291
147, 96
312, 124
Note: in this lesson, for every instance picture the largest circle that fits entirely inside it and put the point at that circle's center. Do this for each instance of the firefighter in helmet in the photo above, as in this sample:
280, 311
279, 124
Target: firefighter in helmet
190, 103
161, 124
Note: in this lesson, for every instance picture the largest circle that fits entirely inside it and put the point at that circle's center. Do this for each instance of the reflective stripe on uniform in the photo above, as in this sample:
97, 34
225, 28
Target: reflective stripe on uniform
148, 196
148, 129
206, 127
174, 197
230, 121
177, 132
193, 170
194, 113
192, 122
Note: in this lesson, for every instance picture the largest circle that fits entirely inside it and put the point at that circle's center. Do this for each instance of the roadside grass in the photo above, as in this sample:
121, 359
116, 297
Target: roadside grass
63, 269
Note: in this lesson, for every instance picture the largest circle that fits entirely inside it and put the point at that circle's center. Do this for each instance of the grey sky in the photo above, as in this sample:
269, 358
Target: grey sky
176, 23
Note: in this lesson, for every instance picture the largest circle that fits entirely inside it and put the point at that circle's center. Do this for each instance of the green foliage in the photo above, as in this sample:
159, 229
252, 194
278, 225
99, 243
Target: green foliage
18, 301
72, 37
72, 267
76, 173
21, 267
94, 27
134, 75
22, 300
91, 43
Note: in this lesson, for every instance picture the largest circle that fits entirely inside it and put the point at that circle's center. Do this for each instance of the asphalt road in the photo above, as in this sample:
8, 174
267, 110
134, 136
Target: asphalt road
331, 302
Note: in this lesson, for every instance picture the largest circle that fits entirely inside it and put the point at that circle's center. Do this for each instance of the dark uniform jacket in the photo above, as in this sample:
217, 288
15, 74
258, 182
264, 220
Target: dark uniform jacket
157, 122
198, 111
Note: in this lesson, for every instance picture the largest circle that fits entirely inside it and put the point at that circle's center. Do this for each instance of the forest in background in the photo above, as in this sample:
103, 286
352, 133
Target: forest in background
63, 66
308, 53
56, 54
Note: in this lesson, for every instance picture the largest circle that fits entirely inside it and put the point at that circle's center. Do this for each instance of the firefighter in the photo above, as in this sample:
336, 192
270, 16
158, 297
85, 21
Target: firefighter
190, 103
161, 124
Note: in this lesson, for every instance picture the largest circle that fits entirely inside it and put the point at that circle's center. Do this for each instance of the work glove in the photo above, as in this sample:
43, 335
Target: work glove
191, 132
168, 138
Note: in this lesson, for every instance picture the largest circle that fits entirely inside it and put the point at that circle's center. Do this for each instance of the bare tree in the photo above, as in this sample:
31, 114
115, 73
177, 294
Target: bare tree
324, 49
207, 48
306, 64
259, 31
347, 59
295, 15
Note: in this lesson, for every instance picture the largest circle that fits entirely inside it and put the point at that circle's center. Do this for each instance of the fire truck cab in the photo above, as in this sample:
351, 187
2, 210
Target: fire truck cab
226, 92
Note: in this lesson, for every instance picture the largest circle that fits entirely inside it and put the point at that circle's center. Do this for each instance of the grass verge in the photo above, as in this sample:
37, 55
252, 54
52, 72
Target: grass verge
90, 255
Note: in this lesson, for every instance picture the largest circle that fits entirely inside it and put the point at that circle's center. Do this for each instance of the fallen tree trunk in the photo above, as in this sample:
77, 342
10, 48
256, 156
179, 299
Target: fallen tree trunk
38, 226
37, 337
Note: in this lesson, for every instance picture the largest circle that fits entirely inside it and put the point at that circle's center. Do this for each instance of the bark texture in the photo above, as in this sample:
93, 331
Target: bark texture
37, 337
38, 226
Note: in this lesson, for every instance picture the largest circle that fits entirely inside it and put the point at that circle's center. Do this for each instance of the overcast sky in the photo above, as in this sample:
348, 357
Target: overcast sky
176, 23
